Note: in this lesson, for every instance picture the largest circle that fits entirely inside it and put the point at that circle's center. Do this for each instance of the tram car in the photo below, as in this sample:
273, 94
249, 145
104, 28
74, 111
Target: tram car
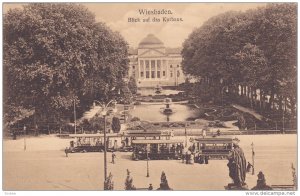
157, 149
211, 147
92, 142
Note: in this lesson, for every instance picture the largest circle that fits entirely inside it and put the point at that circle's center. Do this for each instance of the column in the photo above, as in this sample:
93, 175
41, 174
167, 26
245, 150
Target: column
139, 70
150, 70
167, 70
144, 69
155, 74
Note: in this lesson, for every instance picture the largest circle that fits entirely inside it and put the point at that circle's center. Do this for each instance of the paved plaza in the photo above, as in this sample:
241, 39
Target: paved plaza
43, 166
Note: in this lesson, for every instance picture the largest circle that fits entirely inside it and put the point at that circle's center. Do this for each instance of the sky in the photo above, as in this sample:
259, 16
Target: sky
172, 33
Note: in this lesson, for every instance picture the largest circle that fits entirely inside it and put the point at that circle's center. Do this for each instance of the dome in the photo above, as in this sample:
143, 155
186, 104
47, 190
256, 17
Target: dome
151, 41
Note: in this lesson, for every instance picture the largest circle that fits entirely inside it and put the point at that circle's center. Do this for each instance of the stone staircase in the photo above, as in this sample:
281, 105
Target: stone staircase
91, 113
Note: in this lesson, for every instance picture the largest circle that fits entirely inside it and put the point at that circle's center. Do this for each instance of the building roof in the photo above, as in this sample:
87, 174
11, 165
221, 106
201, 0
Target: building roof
173, 50
134, 51
150, 40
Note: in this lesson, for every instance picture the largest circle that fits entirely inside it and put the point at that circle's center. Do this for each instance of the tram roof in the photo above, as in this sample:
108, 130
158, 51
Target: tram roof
213, 140
156, 141
95, 135
148, 133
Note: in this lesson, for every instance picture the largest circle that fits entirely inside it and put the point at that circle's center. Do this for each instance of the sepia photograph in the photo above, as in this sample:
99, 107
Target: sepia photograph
150, 97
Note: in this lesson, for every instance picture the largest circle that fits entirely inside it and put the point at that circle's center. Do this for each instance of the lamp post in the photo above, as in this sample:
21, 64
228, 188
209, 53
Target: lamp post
24, 128
74, 114
105, 148
104, 114
253, 154
147, 164
283, 121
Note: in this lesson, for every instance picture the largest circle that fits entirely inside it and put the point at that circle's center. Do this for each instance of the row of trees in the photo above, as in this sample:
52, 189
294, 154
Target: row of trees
248, 52
57, 55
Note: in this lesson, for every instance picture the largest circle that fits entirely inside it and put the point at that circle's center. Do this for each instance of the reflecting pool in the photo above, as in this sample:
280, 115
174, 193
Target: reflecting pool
154, 112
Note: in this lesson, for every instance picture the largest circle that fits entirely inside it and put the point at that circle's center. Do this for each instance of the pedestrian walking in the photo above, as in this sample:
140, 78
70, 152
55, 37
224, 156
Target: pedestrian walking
113, 156
66, 151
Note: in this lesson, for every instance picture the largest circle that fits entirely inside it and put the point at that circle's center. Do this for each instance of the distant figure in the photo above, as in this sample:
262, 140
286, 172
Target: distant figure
66, 151
126, 140
186, 158
206, 158
113, 156
150, 187
249, 166
203, 133
218, 132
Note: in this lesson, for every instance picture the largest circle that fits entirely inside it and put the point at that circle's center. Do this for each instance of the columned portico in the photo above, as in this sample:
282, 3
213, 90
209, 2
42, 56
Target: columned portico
153, 61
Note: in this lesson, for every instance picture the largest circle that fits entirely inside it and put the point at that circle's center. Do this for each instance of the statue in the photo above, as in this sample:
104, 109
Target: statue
109, 184
237, 167
128, 182
164, 182
261, 183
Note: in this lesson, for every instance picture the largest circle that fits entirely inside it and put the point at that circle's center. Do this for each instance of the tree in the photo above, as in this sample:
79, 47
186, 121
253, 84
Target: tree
55, 55
132, 85
116, 126
248, 52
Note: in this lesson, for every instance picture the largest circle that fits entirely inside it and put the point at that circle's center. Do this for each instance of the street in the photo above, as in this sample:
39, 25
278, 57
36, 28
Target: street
48, 169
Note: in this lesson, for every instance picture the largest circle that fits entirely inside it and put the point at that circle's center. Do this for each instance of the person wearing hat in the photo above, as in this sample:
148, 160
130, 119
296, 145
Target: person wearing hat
237, 164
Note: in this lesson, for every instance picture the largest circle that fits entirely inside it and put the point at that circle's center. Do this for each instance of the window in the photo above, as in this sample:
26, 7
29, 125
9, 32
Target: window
152, 64
158, 64
133, 67
142, 74
171, 66
147, 74
164, 73
177, 65
178, 73
171, 74
158, 74
152, 74
147, 64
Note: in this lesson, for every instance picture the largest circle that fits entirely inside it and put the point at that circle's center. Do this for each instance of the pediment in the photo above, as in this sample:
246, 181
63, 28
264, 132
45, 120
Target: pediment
152, 53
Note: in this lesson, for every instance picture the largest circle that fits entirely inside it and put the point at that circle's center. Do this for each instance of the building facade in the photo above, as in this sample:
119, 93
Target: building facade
153, 64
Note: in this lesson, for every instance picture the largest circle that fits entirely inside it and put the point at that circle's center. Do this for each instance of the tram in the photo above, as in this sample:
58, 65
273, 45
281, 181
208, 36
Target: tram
211, 147
93, 142
157, 149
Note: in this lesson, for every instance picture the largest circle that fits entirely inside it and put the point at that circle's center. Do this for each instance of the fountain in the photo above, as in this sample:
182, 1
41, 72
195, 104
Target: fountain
167, 110
158, 89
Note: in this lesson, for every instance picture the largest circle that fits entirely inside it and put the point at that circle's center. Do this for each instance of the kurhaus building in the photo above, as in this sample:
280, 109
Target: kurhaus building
153, 64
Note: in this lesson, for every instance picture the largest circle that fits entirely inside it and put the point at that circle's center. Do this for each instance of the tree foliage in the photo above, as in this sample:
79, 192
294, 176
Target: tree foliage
116, 125
255, 50
56, 54
132, 85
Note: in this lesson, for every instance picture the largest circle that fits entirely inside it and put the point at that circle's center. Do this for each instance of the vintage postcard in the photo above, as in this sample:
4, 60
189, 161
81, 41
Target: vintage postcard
150, 96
